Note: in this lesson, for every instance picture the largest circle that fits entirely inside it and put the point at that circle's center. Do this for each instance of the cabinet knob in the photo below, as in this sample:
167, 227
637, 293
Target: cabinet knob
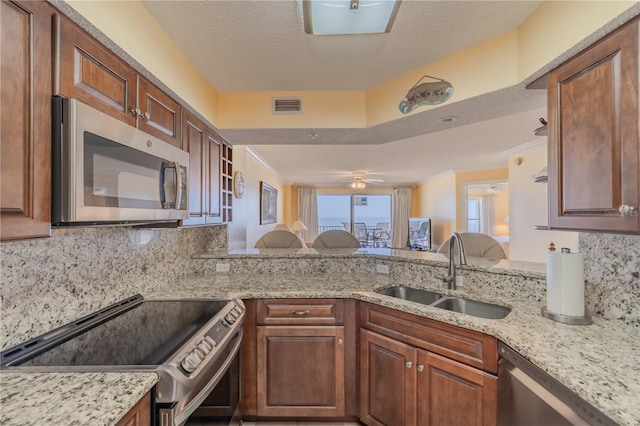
146, 115
420, 368
340, 341
136, 111
408, 364
626, 209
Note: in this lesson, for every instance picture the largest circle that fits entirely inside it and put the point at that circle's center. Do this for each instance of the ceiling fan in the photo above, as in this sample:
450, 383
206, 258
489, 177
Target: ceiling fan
360, 182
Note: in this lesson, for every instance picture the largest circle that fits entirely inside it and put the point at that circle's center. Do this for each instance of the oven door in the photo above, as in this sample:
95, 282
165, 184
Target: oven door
108, 171
222, 406
228, 367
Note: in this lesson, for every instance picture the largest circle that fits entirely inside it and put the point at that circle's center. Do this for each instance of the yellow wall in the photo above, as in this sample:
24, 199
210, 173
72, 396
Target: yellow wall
474, 177
504, 61
253, 175
482, 69
528, 205
133, 28
556, 26
438, 202
320, 109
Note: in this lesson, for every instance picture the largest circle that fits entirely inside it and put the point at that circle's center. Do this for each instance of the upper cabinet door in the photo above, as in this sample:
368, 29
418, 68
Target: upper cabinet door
87, 71
159, 115
25, 119
593, 142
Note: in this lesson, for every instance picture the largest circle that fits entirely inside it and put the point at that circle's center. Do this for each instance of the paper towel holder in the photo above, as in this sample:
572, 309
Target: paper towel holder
566, 319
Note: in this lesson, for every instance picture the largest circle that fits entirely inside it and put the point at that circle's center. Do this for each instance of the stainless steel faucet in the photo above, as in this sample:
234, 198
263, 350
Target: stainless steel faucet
462, 256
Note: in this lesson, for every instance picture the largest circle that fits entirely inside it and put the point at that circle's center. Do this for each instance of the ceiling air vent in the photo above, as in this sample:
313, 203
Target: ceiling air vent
286, 106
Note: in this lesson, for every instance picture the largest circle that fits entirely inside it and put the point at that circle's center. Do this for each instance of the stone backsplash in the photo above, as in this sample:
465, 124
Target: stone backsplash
612, 275
45, 283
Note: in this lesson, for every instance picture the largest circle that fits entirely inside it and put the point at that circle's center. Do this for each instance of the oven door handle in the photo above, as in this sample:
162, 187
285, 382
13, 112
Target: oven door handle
183, 415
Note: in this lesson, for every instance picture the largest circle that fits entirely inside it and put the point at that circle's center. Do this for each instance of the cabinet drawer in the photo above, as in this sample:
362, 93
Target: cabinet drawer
300, 311
469, 347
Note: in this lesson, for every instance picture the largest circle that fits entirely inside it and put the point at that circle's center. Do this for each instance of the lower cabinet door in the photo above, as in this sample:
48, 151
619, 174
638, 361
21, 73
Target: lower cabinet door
301, 371
387, 381
451, 393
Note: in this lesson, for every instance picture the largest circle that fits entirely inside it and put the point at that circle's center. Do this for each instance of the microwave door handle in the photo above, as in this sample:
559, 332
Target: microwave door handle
163, 195
178, 186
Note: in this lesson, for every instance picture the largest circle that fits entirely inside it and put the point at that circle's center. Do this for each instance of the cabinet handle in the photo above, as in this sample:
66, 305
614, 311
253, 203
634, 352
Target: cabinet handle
146, 115
408, 364
135, 111
420, 368
340, 341
626, 209
300, 313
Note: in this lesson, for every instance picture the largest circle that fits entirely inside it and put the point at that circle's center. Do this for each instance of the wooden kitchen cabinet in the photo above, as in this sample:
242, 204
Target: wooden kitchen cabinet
451, 393
205, 161
301, 371
387, 381
25, 119
299, 358
88, 71
593, 142
406, 381
139, 415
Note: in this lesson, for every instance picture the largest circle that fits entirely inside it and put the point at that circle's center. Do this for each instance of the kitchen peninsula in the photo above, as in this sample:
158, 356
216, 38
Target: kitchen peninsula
582, 358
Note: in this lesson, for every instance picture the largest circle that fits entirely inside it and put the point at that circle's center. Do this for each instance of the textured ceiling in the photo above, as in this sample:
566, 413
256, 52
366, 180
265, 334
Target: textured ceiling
260, 45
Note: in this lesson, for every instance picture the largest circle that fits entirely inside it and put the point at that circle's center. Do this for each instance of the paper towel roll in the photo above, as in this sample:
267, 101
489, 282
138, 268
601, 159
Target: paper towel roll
565, 284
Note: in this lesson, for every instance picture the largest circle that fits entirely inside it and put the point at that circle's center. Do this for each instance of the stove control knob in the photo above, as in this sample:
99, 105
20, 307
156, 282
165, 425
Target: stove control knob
200, 354
212, 342
203, 347
190, 362
229, 318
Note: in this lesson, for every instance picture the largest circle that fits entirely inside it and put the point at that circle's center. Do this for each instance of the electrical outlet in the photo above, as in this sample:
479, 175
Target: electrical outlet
222, 267
382, 269
459, 281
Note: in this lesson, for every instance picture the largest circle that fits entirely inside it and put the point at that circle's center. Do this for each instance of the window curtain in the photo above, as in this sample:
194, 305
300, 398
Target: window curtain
400, 210
308, 212
487, 215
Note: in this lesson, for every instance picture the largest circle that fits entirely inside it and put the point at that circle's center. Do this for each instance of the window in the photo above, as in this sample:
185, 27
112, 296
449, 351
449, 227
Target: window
368, 217
473, 215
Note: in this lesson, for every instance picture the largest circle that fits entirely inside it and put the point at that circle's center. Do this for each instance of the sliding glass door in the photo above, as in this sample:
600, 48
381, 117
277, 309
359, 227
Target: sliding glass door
368, 217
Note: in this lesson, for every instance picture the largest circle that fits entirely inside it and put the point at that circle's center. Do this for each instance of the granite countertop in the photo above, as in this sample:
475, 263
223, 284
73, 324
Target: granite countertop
70, 398
599, 362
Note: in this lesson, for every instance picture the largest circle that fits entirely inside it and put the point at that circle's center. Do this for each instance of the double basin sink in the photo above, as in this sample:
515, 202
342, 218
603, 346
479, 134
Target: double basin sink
450, 303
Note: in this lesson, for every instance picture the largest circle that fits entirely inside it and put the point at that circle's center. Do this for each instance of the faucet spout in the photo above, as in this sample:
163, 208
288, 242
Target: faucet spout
455, 240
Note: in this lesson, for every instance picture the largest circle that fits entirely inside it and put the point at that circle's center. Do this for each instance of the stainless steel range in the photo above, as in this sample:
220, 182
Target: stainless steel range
191, 344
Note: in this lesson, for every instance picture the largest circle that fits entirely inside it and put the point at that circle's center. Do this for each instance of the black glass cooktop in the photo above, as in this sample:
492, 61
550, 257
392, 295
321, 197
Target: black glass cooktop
147, 334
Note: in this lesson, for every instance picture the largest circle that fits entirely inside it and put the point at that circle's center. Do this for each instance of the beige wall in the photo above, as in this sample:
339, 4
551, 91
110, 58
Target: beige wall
528, 205
438, 201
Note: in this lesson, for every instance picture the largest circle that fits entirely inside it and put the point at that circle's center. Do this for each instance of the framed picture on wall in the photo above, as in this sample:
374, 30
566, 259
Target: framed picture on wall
268, 204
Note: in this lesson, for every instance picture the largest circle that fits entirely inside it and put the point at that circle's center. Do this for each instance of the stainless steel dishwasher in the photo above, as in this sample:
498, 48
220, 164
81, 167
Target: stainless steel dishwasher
527, 396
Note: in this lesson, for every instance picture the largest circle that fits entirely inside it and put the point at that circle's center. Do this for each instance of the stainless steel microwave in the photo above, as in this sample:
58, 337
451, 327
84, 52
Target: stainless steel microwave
106, 171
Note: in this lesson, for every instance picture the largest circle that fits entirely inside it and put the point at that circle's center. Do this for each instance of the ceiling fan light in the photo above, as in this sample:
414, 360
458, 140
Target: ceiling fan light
333, 17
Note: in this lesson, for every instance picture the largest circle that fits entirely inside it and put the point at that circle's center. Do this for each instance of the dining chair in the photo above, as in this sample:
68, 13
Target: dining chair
279, 239
336, 238
361, 233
